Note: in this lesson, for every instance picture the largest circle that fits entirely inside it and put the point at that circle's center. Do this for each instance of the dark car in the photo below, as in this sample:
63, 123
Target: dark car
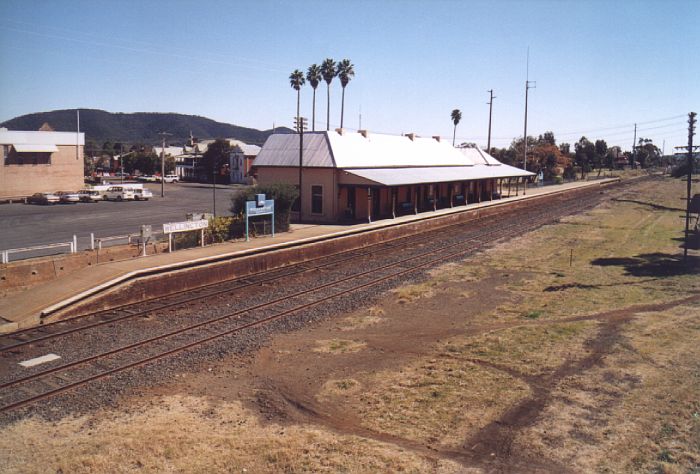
43, 198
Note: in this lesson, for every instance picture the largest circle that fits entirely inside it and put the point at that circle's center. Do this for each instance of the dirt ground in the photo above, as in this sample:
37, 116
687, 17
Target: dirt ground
573, 349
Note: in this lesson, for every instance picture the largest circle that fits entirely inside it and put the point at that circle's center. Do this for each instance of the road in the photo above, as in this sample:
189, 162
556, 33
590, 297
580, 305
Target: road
25, 225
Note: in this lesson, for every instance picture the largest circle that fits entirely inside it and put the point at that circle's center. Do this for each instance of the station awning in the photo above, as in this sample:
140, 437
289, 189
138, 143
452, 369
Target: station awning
29, 148
426, 175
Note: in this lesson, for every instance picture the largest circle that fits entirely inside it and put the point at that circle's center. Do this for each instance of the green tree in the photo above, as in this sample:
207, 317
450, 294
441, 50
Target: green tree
296, 80
648, 154
346, 71
456, 116
283, 194
314, 76
214, 159
328, 71
601, 151
584, 152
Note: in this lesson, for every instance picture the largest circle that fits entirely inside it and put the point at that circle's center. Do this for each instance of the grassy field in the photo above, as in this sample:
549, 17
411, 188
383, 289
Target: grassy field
574, 348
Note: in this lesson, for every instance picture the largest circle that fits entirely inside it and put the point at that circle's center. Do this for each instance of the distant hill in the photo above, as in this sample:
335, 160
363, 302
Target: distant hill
141, 127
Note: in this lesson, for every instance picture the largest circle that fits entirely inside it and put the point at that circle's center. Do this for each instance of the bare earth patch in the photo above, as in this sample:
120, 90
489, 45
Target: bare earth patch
571, 349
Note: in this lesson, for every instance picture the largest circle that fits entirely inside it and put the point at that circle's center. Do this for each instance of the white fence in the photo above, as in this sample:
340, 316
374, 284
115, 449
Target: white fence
72, 246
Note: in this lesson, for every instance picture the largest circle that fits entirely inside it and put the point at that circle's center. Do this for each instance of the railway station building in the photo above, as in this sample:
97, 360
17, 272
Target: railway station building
361, 176
40, 161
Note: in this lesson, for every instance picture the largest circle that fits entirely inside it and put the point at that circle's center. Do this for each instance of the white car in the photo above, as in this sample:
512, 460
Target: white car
118, 193
67, 196
171, 178
142, 194
147, 178
89, 195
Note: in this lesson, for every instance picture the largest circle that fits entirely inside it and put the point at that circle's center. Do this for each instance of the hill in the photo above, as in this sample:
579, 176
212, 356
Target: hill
141, 127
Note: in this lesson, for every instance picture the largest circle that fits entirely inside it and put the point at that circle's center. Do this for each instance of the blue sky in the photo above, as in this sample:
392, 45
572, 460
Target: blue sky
599, 66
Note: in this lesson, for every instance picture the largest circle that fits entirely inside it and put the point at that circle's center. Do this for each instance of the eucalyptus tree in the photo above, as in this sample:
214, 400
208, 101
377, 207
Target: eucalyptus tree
296, 80
456, 116
346, 70
328, 71
314, 76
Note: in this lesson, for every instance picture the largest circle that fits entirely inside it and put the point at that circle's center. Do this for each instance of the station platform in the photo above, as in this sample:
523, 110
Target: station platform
26, 308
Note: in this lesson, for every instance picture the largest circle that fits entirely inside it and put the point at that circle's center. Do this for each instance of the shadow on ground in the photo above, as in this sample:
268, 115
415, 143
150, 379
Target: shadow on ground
653, 264
658, 207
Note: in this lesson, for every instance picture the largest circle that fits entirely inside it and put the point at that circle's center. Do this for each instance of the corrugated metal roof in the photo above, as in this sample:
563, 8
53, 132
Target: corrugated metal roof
434, 174
282, 149
10, 137
351, 150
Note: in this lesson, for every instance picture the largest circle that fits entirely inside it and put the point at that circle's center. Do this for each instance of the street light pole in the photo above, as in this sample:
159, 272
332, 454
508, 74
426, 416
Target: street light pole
300, 123
162, 165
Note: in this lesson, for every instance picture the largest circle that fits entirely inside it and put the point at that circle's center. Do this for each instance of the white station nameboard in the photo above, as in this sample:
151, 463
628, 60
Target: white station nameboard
172, 227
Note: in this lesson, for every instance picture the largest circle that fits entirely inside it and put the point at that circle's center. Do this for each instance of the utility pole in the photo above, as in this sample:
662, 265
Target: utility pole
691, 162
634, 148
300, 123
488, 146
162, 164
528, 85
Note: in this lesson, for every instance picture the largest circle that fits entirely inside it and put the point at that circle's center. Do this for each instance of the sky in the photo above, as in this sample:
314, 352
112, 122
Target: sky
598, 67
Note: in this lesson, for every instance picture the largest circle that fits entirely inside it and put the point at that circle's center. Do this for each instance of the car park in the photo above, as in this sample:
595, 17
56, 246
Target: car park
142, 194
67, 197
43, 198
89, 195
118, 193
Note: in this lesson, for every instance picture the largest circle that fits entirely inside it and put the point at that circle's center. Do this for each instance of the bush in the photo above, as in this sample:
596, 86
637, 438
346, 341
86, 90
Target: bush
558, 180
284, 196
219, 229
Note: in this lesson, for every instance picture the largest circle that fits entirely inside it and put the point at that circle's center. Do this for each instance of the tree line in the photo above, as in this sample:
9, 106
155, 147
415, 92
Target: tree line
559, 160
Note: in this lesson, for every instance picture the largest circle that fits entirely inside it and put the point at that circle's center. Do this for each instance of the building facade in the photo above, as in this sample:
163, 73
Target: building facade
363, 176
40, 161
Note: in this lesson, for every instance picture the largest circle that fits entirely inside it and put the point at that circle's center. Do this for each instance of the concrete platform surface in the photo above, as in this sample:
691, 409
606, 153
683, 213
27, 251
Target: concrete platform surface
25, 308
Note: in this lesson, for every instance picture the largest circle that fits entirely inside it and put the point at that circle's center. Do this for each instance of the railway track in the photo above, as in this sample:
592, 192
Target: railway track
406, 256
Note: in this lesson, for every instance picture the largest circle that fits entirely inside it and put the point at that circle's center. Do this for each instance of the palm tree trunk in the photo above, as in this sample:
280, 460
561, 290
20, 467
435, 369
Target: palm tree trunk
342, 108
313, 124
328, 107
454, 134
298, 119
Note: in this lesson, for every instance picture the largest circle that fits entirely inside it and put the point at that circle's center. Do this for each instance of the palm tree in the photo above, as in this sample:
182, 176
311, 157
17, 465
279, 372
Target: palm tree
296, 80
456, 117
313, 75
345, 72
328, 71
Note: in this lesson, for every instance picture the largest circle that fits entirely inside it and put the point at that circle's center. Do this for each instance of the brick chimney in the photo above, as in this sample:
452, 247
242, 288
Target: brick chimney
411, 136
364, 133
436, 137
340, 131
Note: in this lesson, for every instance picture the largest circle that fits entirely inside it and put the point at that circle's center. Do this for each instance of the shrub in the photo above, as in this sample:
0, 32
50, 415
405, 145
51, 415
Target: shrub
219, 229
283, 194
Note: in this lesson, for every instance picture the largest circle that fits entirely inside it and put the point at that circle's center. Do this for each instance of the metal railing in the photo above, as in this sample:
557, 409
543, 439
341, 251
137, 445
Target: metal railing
5, 254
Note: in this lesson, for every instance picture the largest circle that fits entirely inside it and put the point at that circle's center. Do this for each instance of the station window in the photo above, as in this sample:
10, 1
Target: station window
317, 199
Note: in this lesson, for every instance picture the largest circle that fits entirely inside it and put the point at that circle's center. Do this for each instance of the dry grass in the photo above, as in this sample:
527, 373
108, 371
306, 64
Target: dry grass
438, 401
186, 434
339, 346
365, 319
530, 350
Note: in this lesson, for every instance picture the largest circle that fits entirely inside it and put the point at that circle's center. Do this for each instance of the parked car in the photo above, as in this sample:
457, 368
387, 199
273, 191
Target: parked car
142, 194
171, 178
89, 195
68, 197
43, 198
147, 178
118, 193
